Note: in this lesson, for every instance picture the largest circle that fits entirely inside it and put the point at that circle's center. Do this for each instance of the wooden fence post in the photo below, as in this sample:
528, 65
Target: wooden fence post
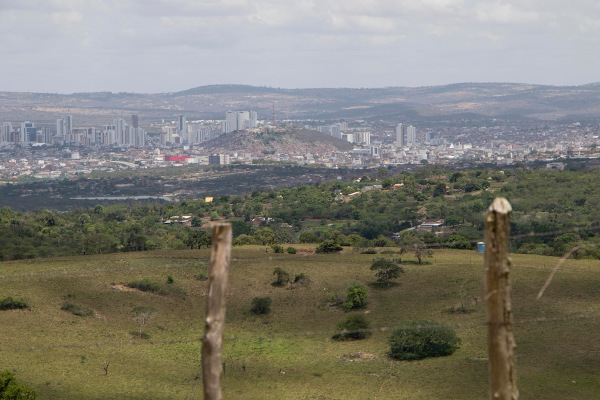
501, 344
212, 341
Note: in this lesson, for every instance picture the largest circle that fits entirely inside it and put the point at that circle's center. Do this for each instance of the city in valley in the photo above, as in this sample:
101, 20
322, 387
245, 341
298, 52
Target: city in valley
72, 138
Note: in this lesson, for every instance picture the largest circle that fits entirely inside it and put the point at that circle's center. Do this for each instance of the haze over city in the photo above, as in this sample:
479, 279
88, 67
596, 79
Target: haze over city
165, 46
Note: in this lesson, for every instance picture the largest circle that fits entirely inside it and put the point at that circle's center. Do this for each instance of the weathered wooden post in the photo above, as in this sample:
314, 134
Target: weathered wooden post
501, 344
212, 341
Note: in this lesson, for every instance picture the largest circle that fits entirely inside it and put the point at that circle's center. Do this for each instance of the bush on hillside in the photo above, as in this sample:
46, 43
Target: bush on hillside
422, 339
11, 303
356, 297
145, 285
329, 246
282, 278
10, 389
291, 250
354, 327
76, 309
261, 305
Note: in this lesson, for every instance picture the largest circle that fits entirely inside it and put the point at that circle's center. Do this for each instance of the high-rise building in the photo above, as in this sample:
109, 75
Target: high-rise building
363, 138
120, 130
411, 135
6, 132
69, 124
400, 135
28, 132
239, 120
134, 121
405, 135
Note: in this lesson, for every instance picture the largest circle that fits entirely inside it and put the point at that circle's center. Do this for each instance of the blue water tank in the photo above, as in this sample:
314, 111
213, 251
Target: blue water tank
480, 247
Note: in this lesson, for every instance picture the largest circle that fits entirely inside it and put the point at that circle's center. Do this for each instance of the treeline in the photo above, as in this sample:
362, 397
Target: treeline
553, 211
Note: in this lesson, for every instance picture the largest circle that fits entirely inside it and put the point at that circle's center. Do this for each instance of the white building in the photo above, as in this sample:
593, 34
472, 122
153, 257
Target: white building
239, 120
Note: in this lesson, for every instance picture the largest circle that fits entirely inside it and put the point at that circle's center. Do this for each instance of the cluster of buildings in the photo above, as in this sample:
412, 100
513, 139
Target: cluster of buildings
127, 145
122, 134
117, 134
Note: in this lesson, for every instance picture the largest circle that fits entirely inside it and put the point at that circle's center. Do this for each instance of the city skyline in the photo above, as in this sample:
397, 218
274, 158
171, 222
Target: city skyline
129, 46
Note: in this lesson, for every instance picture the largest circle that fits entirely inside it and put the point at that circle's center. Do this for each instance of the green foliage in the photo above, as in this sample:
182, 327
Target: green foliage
76, 309
277, 248
170, 279
301, 279
282, 278
422, 339
309, 237
11, 303
329, 246
354, 327
385, 271
356, 297
243, 239
411, 242
10, 389
291, 250
145, 285
261, 305
264, 236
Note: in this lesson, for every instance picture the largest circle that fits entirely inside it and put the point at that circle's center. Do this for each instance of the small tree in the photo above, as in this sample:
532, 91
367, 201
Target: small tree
386, 270
422, 339
141, 315
261, 305
281, 277
413, 243
354, 327
356, 297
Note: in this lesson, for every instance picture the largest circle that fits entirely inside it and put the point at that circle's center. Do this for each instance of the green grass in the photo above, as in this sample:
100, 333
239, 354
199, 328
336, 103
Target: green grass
288, 353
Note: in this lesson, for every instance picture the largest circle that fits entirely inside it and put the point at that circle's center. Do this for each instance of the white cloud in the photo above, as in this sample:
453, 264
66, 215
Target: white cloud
302, 42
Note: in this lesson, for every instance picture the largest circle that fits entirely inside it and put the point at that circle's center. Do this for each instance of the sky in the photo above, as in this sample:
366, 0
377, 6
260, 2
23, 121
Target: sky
151, 46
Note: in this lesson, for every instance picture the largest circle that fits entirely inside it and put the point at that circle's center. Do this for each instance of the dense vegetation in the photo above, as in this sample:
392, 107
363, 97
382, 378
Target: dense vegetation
553, 212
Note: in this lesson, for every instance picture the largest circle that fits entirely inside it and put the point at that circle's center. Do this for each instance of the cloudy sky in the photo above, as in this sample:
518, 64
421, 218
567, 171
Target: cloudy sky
66, 46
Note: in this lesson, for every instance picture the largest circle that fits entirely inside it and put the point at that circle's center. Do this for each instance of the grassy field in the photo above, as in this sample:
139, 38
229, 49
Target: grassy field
289, 354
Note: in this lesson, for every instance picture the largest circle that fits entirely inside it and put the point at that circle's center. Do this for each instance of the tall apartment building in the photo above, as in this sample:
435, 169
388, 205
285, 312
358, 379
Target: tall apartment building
28, 132
5, 134
405, 135
239, 120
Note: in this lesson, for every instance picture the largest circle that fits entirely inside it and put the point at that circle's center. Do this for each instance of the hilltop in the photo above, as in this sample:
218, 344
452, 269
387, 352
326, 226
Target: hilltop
278, 141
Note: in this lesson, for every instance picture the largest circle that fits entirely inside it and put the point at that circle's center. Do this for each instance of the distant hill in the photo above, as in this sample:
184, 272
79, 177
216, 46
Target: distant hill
280, 141
513, 101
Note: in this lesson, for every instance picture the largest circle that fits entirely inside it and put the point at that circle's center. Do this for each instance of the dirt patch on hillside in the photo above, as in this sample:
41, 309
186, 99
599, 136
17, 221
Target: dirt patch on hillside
355, 357
123, 288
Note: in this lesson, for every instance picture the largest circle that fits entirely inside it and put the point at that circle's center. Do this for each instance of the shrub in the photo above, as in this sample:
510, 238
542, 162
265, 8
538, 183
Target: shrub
145, 285
76, 309
356, 297
202, 276
369, 251
354, 327
281, 277
261, 305
329, 246
170, 279
291, 250
10, 389
301, 279
10, 303
277, 248
422, 339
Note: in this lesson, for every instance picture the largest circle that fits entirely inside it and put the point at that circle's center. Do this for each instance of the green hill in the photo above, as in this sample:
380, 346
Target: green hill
288, 353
